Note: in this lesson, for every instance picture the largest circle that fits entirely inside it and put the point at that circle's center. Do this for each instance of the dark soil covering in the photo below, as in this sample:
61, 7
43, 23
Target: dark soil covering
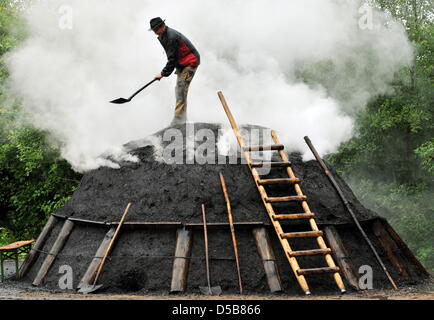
159, 192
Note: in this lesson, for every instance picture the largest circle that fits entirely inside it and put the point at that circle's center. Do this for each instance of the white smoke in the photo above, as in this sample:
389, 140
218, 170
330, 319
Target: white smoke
252, 50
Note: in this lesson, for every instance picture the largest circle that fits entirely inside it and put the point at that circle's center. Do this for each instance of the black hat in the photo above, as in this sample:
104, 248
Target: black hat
155, 23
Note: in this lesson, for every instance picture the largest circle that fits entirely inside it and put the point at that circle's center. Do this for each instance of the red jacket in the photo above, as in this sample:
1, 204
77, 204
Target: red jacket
180, 52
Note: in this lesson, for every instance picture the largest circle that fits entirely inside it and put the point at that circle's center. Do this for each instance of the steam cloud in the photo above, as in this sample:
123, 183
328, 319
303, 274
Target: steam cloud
254, 51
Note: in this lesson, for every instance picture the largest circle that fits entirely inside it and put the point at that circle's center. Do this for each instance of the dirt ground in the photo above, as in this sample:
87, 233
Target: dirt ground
12, 290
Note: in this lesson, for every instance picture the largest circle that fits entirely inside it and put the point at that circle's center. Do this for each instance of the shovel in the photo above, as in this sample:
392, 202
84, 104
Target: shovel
209, 291
123, 100
89, 288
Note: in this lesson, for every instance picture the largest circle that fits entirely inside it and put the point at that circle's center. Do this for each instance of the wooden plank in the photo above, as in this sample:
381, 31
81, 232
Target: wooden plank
181, 261
57, 247
294, 216
291, 235
39, 245
318, 270
341, 256
310, 252
266, 253
391, 249
265, 148
16, 245
89, 276
405, 249
263, 182
285, 199
271, 164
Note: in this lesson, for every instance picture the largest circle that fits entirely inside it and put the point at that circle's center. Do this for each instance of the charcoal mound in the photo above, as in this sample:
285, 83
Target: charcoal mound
175, 172
162, 192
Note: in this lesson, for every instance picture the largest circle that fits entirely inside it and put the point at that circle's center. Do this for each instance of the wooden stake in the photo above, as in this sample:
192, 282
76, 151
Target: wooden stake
341, 255
391, 249
266, 253
231, 223
57, 247
182, 260
39, 244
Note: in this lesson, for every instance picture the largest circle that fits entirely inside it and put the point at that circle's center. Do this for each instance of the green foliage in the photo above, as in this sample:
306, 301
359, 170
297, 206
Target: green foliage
426, 154
390, 162
35, 181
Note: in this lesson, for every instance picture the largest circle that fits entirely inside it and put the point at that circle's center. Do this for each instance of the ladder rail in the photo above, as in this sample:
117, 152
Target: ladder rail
270, 210
268, 207
329, 259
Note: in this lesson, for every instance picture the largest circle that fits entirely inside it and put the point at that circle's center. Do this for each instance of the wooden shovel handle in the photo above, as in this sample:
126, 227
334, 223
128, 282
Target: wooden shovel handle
101, 265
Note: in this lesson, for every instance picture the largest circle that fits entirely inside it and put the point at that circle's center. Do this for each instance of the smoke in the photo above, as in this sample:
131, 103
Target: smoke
301, 67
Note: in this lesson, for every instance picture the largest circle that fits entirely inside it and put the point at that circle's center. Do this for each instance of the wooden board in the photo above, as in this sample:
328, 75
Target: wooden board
57, 247
266, 253
181, 261
16, 245
391, 249
341, 255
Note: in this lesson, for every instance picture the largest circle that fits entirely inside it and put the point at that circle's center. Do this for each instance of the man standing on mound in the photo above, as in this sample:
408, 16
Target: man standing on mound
182, 55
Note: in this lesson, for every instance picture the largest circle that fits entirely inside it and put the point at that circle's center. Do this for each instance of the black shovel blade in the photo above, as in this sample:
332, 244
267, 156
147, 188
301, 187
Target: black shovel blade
120, 101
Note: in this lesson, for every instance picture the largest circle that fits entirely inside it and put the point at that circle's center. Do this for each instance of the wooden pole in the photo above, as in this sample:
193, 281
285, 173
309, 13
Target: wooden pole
182, 260
341, 255
111, 244
266, 253
231, 223
205, 235
57, 247
391, 249
350, 211
88, 277
39, 245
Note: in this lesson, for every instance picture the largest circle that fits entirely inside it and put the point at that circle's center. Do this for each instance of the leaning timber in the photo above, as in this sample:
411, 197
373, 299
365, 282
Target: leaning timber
182, 260
341, 255
39, 244
266, 253
57, 247
391, 249
89, 276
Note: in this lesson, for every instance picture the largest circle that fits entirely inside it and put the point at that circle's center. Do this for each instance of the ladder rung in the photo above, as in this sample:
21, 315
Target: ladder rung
310, 252
305, 234
302, 272
278, 181
294, 216
271, 164
265, 148
285, 199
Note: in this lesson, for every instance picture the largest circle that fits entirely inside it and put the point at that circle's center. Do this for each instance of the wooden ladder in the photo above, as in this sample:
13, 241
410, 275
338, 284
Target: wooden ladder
276, 219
